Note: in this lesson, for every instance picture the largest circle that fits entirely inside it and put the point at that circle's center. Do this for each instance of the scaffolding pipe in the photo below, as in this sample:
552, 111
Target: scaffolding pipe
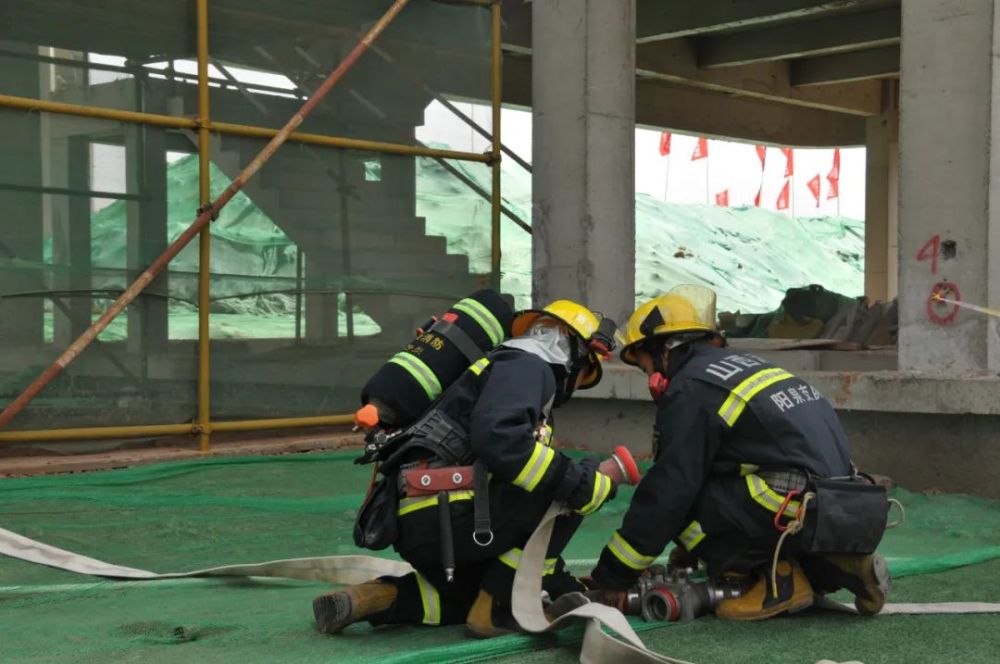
149, 430
205, 237
171, 122
212, 211
495, 163
95, 433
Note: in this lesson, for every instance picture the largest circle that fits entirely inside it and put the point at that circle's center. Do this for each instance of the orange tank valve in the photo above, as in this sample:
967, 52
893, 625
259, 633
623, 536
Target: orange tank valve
366, 417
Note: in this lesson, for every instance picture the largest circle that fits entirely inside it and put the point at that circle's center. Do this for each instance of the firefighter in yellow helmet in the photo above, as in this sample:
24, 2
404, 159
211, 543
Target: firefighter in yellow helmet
738, 443
498, 418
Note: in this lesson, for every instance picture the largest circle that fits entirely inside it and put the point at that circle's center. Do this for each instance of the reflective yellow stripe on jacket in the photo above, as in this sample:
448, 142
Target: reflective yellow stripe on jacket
602, 489
408, 505
627, 554
733, 406
691, 536
769, 498
534, 470
512, 559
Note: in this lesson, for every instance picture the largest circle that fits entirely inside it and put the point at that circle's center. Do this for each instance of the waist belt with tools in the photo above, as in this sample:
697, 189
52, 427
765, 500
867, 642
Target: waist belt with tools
424, 478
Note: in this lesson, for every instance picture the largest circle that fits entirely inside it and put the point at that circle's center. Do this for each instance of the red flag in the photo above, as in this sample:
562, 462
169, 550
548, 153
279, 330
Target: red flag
762, 154
789, 161
756, 199
665, 144
722, 198
701, 149
814, 188
783, 197
833, 177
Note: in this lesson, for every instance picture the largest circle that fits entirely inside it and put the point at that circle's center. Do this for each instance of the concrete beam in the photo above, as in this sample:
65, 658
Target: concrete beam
676, 62
657, 20
835, 34
711, 114
871, 391
872, 63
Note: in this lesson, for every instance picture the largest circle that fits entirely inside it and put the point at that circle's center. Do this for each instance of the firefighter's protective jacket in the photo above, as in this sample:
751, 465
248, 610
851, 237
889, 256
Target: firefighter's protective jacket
502, 401
723, 412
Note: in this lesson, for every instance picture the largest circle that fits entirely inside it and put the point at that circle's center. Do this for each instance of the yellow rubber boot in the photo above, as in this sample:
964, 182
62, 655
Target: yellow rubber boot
867, 576
335, 611
758, 602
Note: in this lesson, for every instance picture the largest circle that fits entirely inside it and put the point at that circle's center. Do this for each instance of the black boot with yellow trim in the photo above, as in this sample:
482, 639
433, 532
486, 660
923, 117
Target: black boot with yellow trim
790, 593
336, 610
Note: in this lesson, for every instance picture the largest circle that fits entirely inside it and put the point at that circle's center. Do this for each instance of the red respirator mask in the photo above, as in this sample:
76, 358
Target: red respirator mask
658, 384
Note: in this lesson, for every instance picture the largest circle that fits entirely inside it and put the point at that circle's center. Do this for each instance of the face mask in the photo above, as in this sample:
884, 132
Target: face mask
546, 340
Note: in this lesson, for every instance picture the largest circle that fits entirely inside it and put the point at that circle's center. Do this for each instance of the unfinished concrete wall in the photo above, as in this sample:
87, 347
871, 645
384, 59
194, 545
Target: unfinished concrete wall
953, 453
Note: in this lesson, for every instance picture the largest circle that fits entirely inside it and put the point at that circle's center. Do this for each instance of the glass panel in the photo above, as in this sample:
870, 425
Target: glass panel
274, 54
85, 210
322, 272
71, 51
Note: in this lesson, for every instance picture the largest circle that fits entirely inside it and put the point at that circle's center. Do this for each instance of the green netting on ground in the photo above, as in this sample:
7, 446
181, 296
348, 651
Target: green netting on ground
180, 516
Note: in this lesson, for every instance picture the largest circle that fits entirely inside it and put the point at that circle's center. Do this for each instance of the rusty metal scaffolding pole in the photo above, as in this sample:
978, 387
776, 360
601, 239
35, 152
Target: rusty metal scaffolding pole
204, 217
205, 237
496, 23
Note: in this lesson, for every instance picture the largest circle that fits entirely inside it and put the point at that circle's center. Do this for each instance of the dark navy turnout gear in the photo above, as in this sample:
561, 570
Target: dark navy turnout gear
501, 406
734, 435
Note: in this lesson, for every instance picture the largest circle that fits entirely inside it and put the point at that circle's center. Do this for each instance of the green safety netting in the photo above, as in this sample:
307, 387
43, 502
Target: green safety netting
179, 516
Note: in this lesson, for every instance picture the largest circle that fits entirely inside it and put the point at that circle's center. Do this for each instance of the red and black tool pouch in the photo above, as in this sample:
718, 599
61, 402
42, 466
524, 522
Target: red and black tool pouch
848, 515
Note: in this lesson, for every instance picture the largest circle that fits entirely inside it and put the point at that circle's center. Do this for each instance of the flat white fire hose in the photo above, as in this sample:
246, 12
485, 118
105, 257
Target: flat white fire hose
598, 646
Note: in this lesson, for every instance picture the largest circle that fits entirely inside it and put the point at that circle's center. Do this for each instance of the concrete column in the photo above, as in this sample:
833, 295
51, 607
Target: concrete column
881, 192
21, 221
877, 208
146, 236
583, 93
948, 207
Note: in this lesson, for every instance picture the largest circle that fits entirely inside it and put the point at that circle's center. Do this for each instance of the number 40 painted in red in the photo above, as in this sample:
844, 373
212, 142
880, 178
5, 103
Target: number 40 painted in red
931, 251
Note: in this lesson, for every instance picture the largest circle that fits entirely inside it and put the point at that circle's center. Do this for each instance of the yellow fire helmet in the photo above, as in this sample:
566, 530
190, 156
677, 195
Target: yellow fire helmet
587, 326
685, 308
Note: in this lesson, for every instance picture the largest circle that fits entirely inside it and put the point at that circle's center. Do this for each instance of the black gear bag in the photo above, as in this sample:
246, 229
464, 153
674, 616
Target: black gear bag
847, 515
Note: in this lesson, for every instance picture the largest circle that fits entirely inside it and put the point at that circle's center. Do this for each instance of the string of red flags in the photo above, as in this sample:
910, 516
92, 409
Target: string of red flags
736, 185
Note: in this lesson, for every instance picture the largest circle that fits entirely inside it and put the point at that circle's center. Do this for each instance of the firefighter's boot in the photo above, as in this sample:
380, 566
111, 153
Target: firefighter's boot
866, 576
336, 610
758, 601
488, 617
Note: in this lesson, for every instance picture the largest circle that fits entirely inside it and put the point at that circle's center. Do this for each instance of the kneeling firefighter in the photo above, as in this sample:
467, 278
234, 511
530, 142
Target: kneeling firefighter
743, 451
476, 473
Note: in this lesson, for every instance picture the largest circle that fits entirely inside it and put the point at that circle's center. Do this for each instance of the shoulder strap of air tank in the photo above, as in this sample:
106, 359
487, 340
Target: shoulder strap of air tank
457, 336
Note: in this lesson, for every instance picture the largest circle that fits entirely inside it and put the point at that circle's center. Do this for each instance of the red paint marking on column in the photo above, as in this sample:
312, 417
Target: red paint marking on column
943, 313
930, 251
